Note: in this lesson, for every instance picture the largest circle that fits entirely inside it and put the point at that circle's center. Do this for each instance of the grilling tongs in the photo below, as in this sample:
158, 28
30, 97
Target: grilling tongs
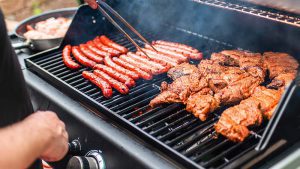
115, 13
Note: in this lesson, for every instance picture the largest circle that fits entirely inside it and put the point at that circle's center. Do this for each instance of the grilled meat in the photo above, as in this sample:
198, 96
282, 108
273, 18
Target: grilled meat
251, 62
182, 70
180, 89
282, 68
235, 120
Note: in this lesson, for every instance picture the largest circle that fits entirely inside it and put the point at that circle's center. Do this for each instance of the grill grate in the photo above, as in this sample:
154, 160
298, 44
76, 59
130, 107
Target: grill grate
177, 133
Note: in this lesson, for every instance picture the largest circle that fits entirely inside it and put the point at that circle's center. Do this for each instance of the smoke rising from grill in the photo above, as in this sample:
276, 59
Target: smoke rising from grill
233, 27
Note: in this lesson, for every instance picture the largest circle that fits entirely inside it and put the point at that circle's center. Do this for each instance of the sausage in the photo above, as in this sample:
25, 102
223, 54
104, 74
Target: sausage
177, 45
135, 63
178, 56
157, 67
157, 58
102, 84
106, 41
116, 75
67, 59
112, 51
127, 65
90, 54
79, 56
108, 62
92, 47
189, 54
120, 87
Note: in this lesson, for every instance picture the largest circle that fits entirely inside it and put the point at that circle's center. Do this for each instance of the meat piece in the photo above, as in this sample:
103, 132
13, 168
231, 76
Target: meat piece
127, 65
106, 41
251, 62
182, 87
108, 62
102, 84
235, 120
90, 54
173, 54
144, 67
282, 68
120, 87
186, 53
201, 104
157, 68
182, 70
160, 58
81, 58
92, 47
67, 59
129, 82
177, 45
101, 46
238, 90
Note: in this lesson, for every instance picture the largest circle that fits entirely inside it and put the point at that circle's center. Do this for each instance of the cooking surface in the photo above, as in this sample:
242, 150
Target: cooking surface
174, 131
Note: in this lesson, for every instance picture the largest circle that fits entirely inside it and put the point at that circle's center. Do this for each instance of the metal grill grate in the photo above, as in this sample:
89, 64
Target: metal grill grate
253, 10
174, 131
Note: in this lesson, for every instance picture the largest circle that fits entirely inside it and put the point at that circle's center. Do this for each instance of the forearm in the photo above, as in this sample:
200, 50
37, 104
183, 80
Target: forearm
21, 144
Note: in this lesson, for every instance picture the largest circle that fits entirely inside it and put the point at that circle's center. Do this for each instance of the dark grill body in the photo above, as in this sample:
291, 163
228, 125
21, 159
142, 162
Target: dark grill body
209, 26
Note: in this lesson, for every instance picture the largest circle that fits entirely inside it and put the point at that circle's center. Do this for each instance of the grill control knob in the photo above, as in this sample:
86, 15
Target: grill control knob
92, 160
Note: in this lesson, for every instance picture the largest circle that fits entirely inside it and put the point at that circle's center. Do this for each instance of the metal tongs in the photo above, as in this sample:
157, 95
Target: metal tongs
115, 13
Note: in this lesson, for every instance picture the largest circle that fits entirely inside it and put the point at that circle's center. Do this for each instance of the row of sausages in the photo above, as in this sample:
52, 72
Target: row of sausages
121, 72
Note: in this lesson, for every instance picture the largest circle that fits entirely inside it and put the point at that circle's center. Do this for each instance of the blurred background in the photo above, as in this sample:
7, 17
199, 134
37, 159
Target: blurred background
17, 10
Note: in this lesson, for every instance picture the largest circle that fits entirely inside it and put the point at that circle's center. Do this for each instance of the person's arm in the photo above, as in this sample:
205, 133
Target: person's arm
40, 135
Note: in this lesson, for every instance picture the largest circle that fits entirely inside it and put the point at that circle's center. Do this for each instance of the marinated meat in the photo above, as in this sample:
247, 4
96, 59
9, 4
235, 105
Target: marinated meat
235, 120
251, 62
282, 68
201, 104
182, 70
180, 89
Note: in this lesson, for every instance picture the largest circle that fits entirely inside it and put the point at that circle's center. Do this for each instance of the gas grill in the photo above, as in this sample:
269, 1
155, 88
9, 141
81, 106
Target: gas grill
208, 25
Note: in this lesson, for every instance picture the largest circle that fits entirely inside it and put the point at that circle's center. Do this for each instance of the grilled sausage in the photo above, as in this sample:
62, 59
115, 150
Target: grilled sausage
127, 65
112, 51
120, 69
120, 87
90, 54
92, 47
116, 75
135, 63
79, 56
157, 58
176, 45
157, 68
102, 84
106, 41
187, 53
67, 59
175, 55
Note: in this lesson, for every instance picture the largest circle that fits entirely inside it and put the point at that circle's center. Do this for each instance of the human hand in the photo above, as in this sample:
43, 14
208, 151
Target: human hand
53, 134
92, 3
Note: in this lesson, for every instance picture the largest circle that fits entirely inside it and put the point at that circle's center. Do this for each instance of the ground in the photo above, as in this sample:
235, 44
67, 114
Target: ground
17, 10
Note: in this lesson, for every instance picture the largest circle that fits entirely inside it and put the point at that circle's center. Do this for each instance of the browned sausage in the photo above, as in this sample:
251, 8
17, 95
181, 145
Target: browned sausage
178, 56
127, 65
102, 84
79, 56
96, 50
120, 87
144, 67
157, 67
176, 45
189, 54
112, 51
120, 69
157, 58
106, 41
90, 54
116, 75
67, 59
